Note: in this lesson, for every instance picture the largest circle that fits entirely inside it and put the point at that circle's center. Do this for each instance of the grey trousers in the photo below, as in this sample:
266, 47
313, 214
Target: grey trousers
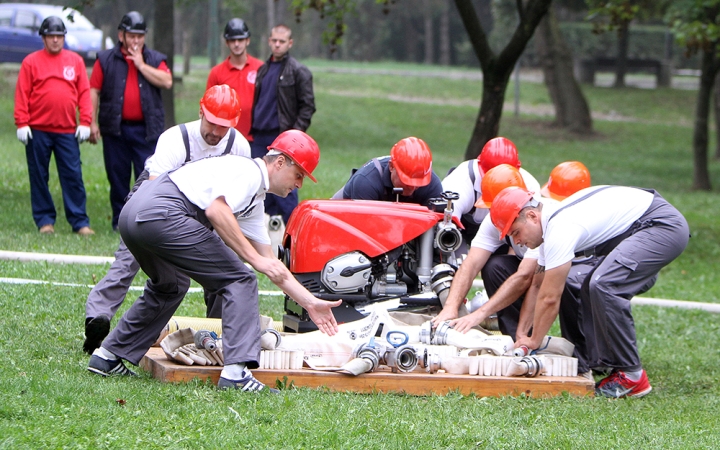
631, 268
168, 236
500, 267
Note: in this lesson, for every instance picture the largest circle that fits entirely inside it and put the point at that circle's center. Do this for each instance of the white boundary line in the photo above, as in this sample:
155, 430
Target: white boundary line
90, 286
80, 259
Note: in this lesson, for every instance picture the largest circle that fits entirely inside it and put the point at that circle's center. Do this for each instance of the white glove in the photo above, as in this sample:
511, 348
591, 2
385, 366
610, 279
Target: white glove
24, 134
82, 133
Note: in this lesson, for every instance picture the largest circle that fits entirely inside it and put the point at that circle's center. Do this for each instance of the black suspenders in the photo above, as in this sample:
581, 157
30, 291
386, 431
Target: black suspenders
186, 141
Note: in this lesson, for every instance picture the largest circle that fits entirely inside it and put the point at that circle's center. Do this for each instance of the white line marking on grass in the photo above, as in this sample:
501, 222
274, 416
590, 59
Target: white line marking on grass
81, 259
90, 286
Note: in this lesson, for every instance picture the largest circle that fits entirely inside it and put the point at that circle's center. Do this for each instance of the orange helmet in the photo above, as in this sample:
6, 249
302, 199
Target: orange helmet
497, 179
221, 106
412, 161
566, 179
300, 147
498, 151
506, 206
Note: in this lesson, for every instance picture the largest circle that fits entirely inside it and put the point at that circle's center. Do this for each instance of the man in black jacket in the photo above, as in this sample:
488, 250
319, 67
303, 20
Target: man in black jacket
283, 100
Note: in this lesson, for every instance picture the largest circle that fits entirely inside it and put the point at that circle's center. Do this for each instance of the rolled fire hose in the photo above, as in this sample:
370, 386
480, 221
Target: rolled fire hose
198, 323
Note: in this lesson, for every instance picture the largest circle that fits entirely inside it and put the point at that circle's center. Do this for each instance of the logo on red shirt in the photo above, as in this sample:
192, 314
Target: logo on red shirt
251, 76
69, 73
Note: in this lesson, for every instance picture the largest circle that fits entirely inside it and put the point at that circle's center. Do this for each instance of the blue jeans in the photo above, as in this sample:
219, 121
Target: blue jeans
274, 205
67, 159
123, 154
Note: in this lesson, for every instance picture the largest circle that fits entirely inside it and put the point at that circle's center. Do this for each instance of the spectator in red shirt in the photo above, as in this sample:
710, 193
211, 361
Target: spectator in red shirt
127, 104
238, 71
51, 87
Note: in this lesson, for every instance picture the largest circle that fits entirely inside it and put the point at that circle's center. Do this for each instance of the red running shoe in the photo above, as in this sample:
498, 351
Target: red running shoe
618, 385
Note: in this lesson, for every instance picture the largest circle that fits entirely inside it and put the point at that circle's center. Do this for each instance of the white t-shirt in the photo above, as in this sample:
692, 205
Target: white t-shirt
170, 149
590, 222
459, 181
242, 181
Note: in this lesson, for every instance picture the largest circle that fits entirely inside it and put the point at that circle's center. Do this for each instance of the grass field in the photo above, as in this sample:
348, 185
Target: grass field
49, 400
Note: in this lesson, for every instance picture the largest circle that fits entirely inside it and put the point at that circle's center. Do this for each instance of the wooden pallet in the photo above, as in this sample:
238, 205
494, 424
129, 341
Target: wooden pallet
414, 383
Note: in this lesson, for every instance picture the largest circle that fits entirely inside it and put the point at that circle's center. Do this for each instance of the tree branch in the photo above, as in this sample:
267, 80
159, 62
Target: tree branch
476, 33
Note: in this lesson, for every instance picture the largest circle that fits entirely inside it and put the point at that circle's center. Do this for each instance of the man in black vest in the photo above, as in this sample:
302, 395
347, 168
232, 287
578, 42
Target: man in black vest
127, 105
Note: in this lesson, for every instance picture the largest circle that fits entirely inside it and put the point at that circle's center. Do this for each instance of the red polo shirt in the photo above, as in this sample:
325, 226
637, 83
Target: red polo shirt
243, 81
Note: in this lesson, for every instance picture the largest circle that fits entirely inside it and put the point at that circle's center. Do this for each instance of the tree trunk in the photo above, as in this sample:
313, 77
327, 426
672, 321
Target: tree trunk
164, 43
428, 31
411, 36
571, 108
717, 116
701, 175
622, 53
496, 68
445, 35
187, 49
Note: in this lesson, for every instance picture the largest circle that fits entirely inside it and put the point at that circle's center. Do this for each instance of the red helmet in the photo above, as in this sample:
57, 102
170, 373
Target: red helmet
498, 151
506, 206
221, 106
300, 147
497, 179
566, 179
412, 161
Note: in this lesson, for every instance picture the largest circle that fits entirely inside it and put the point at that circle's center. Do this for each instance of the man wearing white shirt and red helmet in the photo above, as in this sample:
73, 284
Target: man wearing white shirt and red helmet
507, 276
466, 180
211, 135
635, 230
168, 224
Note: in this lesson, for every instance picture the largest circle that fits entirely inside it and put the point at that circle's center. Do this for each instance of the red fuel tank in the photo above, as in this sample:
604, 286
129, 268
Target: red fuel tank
320, 230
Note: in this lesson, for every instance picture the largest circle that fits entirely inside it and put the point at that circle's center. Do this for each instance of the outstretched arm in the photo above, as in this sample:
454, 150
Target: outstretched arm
222, 219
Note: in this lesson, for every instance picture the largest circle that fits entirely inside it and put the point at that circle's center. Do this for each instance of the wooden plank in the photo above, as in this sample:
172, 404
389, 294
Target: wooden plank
414, 383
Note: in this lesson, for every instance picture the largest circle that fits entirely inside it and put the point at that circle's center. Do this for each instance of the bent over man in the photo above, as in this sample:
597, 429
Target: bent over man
167, 226
409, 167
638, 233
212, 135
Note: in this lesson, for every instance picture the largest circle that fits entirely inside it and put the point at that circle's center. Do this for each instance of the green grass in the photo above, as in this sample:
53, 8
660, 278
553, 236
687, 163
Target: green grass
48, 400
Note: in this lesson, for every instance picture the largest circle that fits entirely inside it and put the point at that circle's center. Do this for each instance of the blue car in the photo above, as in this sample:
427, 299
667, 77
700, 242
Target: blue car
20, 22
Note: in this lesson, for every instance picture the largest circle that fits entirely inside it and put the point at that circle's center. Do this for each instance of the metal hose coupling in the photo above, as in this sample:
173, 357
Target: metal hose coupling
441, 334
275, 223
270, 339
534, 366
403, 358
426, 333
368, 352
431, 362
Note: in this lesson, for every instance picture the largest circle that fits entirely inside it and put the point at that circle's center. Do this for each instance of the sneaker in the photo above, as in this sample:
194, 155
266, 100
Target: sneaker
106, 367
248, 383
618, 385
96, 330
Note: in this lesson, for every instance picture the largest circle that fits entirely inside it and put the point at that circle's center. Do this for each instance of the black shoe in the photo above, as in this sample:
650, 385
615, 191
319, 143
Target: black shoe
248, 383
96, 330
106, 367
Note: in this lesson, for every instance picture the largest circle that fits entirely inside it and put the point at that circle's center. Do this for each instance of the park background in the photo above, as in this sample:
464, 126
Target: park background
366, 101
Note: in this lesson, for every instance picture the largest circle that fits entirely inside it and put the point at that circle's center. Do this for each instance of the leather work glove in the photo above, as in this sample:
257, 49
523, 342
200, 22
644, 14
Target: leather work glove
24, 134
82, 133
